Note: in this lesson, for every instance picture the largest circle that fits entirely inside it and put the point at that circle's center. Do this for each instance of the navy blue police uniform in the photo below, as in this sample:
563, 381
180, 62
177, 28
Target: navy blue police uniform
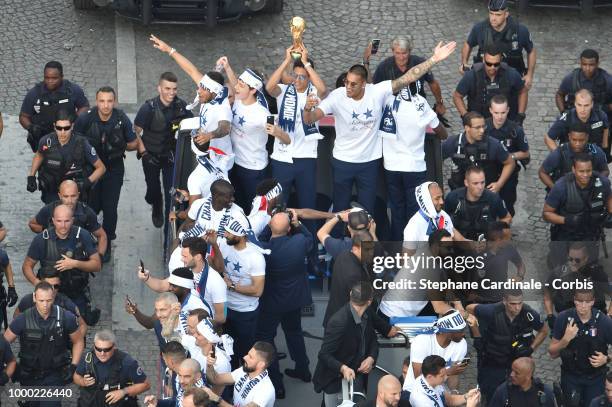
84, 216
488, 153
513, 138
600, 85
41, 105
579, 379
61, 299
387, 69
559, 162
473, 218
596, 123
110, 139
6, 356
72, 160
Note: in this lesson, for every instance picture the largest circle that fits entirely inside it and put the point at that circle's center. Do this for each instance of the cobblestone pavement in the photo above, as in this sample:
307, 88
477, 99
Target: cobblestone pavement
37, 31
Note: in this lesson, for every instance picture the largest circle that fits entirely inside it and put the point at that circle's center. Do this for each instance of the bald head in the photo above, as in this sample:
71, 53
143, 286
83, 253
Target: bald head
62, 211
279, 224
69, 193
525, 364
190, 365
189, 373
389, 389
68, 185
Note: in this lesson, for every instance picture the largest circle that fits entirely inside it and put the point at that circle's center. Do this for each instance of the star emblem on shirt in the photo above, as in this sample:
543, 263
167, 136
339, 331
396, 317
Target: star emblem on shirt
233, 112
237, 267
241, 120
202, 121
225, 261
368, 113
355, 115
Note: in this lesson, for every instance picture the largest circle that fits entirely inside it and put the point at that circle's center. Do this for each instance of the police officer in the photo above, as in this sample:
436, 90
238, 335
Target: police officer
107, 375
62, 155
507, 34
84, 216
559, 161
594, 119
473, 207
8, 364
43, 332
512, 136
581, 338
487, 79
522, 388
10, 299
110, 132
472, 147
45, 99
156, 121
507, 334
71, 251
605, 400
589, 76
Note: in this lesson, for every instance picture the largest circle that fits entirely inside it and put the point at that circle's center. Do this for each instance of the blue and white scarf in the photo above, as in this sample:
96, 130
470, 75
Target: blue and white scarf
425, 388
388, 124
287, 112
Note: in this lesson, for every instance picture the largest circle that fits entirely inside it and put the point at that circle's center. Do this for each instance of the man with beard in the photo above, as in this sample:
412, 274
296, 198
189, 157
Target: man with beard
84, 216
252, 385
163, 308
445, 339
189, 375
507, 334
387, 395
244, 269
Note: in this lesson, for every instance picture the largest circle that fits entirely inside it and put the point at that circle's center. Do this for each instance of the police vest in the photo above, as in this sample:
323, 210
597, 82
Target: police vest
538, 398
109, 146
508, 134
471, 218
94, 396
43, 350
508, 44
595, 124
73, 281
593, 207
476, 154
599, 89
575, 357
482, 92
566, 160
158, 138
50, 103
564, 299
56, 168
80, 213
503, 341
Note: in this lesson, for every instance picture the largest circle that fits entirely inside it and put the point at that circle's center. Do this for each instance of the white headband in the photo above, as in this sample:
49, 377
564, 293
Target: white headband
207, 83
237, 227
181, 281
274, 192
251, 79
205, 328
450, 323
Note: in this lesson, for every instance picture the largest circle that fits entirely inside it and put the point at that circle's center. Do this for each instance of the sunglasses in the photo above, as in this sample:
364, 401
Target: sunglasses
103, 350
298, 77
493, 64
351, 84
60, 128
574, 259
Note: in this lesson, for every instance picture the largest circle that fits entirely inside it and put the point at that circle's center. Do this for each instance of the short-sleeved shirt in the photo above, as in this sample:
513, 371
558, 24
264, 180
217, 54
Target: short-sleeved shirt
566, 86
84, 217
258, 390
38, 246
496, 270
241, 266
4, 258
249, 135
66, 303
486, 314
5, 352
594, 273
495, 150
202, 177
357, 122
478, 33
67, 150
334, 246
210, 116
557, 197
497, 208
388, 70
517, 143
433, 398
145, 113
215, 291
560, 128
553, 160
426, 345
416, 231
71, 323
31, 102
602, 325
130, 370
118, 118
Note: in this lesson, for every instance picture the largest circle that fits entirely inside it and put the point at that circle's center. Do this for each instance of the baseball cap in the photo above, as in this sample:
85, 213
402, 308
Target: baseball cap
358, 219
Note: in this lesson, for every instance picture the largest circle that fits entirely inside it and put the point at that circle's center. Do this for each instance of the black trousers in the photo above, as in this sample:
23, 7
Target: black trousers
104, 196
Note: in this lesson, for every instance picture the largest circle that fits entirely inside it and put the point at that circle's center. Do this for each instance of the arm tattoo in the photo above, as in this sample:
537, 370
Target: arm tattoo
222, 130
412, 75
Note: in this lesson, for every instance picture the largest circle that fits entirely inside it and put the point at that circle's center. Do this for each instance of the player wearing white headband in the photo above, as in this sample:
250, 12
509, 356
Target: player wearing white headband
207, 339
212, 96
249, 133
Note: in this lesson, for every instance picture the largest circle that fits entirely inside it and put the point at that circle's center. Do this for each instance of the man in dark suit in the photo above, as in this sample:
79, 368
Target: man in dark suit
349, 349
387, 393
286, 291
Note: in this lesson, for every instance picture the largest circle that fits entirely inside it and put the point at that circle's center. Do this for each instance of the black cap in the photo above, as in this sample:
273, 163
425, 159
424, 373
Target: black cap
498, 5
358, 219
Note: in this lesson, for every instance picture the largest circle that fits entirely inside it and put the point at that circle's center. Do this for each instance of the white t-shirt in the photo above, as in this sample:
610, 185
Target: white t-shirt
427, 345
258, 390
357, 122
300, 147
416, 230
418, 398
249, 135
407, 152
207, 218
259, 220
240, 266
201, 178
210, 116
193, 302
215, 291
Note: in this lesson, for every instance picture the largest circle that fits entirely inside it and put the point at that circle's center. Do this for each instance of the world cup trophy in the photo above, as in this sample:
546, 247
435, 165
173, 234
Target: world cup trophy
297, 25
